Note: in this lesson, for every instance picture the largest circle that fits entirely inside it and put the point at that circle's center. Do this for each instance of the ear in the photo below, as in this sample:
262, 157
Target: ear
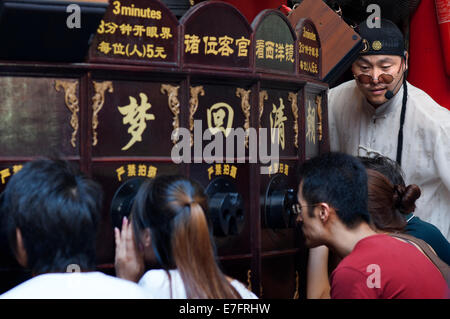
406, 57
146, 238
324, 212
21, 253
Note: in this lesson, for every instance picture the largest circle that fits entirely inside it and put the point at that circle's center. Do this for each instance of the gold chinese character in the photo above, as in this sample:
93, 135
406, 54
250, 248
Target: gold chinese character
104, 47
279, 51
286, 169
277, 119
152, 170
242, 44
226, 169
135, 50
142, 170
281, 168
125, 29
131, 170
225, 49
17, 168
191, 43
152, 32
260, 46
233, 171
118, 48
120, 171
4, 174
218, 169
301, 48
210, 45
138, 30
210, 172
269, 49
159, 52
289, 48
111, 27
136, 115
165, 33
220, 118
311, 124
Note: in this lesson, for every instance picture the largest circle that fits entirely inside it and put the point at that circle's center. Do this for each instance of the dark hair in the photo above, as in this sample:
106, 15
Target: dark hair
339, 180
56, 209
173, 208
385, 166
388, 203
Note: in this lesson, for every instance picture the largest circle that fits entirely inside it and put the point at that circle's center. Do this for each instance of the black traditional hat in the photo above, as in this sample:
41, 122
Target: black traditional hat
385, 40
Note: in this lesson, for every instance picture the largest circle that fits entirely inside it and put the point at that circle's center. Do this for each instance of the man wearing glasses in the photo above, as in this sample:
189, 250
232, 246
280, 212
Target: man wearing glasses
379, 112
333, 211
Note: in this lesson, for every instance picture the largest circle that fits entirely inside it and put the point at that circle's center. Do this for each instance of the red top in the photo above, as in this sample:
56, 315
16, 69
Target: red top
384, 267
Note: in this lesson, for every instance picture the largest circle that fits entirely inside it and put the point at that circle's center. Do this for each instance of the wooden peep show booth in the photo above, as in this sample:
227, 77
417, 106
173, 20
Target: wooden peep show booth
143, 85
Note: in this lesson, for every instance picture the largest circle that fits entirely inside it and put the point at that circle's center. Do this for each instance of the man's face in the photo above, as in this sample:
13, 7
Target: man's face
312, 226
374, 66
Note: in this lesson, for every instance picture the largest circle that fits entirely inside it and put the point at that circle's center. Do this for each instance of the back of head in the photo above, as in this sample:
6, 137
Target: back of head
389, 203
173, 208
56, 209
385, 40
339, 180
385, 166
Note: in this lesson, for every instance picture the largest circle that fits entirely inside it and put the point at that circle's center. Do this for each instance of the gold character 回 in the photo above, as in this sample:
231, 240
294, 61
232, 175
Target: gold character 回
220, 118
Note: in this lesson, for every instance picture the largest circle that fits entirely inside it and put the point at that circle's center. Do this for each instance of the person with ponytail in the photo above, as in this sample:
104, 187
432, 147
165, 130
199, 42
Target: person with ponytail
388, 204
169, 232
400, 217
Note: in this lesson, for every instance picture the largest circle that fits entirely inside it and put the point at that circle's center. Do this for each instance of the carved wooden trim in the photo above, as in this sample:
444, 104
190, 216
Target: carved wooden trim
245, 106
71, 101
293, 98
97, 103
193, 105
262, 96
174, 106
319, 115
297, 285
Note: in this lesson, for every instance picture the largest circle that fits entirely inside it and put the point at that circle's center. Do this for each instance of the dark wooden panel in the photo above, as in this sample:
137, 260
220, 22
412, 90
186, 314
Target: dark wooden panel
136, 31
135, 120
111, 176
216, 35
35, 119
275, 42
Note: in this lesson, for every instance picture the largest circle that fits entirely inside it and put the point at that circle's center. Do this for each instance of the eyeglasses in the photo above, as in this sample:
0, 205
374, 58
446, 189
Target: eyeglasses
385, 77
297, 209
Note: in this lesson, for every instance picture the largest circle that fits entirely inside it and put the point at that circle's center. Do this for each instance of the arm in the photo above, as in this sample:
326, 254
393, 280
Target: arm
318, 285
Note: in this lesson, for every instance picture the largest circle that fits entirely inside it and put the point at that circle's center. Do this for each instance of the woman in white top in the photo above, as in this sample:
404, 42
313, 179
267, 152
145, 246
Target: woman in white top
169, 217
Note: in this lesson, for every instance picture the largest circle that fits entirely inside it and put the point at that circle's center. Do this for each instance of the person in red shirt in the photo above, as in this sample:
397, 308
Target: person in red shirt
333, 209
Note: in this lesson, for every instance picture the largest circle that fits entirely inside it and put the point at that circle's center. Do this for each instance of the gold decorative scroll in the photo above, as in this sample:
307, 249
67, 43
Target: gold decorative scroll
319, 115
97, 103
297, 284
174, 106
293, 98
262, 96
245, 105
71, 100
193, 105
249, 283
249, 280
